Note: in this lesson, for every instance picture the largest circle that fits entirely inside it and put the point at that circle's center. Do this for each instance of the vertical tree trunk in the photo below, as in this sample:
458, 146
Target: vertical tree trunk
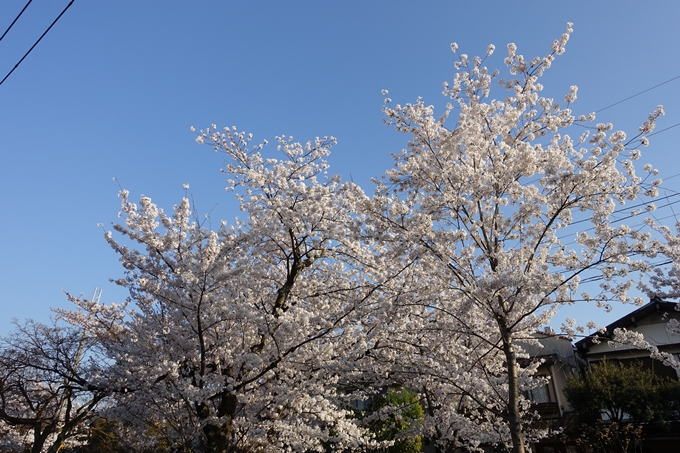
39, 437
218, 437
514, 418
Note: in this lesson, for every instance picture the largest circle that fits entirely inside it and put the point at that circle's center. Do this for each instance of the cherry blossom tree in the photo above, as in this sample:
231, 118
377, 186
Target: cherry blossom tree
234, 337
244, 336
497, 214
47, 384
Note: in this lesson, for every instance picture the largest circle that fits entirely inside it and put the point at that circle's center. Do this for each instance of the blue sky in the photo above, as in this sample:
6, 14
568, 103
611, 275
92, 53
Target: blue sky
114, 87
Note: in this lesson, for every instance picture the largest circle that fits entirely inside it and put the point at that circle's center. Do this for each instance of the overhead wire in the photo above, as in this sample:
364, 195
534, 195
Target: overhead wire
667, 197
596, 278
669, 204
627, 208
638, 94
635, 95
39, 39
15, 20
649, 135
664, 129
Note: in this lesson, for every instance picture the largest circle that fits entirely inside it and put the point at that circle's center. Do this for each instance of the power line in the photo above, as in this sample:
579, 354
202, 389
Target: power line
596, 278
664, 129
15, 19
36, 43
628, 208
669, 205
631, 207
637, 94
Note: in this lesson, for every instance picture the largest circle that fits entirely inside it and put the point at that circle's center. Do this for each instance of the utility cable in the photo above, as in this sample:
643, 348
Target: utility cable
36, 43
15, 19
670, 204
664, 129
627, 208
637, 94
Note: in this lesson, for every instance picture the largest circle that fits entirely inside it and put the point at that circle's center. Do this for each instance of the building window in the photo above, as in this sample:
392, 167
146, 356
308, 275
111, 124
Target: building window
538, 395
359, 405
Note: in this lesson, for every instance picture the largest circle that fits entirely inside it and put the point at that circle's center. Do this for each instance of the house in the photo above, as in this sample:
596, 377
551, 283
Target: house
651, 321
559, 362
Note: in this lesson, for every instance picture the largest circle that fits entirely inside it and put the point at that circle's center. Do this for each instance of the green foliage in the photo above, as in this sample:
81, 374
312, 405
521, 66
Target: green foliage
396, 414
616, 403
623, 393
668, 392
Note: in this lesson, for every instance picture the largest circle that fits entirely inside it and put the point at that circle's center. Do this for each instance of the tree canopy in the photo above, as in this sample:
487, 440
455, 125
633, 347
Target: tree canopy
244, 336
480, 208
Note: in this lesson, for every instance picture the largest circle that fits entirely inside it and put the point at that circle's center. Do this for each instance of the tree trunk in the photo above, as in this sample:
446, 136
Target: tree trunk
514, 418
218, 437
39, 437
